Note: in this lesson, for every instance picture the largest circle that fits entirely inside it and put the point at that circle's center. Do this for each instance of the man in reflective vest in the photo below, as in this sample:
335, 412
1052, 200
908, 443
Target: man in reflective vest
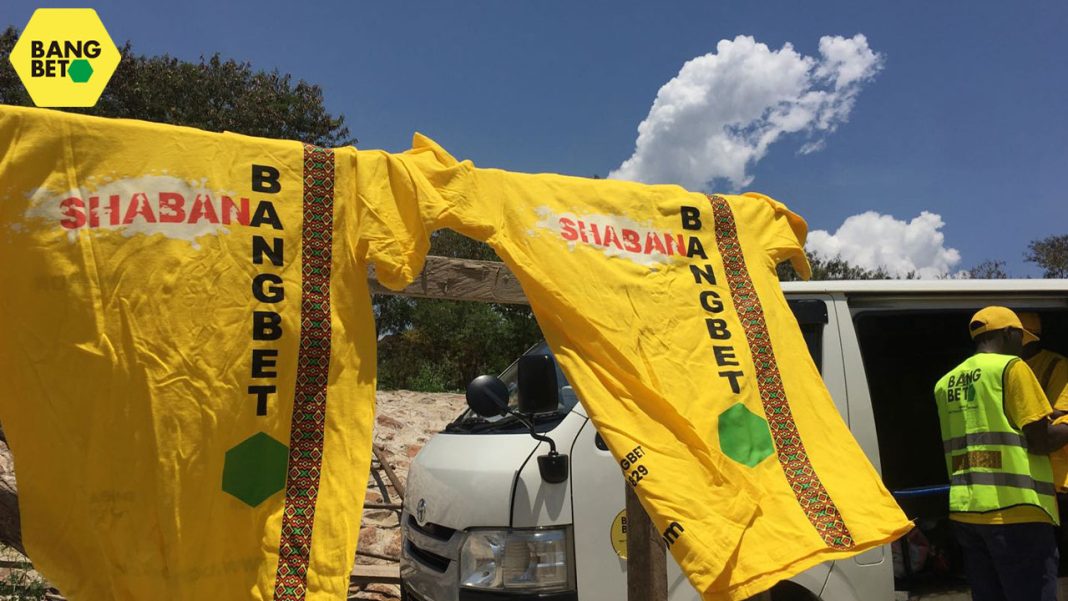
997, 435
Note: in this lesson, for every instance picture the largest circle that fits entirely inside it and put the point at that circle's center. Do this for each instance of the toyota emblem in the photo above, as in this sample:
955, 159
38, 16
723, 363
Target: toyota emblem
420, 510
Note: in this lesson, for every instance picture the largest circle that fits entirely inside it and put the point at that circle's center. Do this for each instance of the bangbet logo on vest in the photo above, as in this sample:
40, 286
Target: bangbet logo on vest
65, 57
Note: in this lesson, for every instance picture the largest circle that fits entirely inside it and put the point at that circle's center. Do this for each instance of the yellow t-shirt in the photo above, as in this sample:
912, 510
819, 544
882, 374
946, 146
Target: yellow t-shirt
1025, 403
663, 308
1059, 459
1051, 369
188, 353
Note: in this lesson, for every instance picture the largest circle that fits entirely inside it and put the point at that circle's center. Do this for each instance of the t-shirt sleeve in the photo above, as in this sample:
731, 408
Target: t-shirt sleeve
467, 199
402, 200
1058, 383
784, 238
1025, 402
1061, 402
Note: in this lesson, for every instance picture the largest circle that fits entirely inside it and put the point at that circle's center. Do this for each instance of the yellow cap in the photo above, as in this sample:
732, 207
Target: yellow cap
1031, 322
991, 319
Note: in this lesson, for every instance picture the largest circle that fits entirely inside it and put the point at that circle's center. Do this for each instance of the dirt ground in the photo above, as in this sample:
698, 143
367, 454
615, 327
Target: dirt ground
405, 421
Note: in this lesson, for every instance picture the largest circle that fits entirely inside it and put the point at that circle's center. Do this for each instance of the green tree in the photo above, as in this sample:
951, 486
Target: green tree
212, 94
1051, 254
433, 345
988, 270
831, 269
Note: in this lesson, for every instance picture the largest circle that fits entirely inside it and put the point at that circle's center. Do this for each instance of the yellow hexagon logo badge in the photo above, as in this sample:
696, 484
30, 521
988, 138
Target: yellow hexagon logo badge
65, 57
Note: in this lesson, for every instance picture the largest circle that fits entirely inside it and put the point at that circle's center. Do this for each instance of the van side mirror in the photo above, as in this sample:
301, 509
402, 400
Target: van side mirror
487, 396
539, 391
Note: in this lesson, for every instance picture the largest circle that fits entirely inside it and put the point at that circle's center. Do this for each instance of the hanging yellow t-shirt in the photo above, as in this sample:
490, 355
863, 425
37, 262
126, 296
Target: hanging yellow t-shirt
663, 308
188, 353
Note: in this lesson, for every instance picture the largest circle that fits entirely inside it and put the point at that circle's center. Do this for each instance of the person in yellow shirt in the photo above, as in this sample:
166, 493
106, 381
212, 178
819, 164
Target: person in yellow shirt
997, 435
1050, 368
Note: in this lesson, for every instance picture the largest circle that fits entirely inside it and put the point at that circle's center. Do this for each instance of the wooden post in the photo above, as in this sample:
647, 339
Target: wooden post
646, 554
393, 479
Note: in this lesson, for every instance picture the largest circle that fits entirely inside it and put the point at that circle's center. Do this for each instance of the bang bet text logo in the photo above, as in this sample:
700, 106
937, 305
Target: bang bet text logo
64, 57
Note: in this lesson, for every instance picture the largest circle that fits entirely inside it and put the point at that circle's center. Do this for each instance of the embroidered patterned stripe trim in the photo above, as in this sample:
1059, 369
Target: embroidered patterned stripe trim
313, 366
809, 491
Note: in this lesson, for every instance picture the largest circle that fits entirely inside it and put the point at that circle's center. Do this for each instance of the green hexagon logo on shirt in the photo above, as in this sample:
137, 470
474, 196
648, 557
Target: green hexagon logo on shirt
255, 469
744, 436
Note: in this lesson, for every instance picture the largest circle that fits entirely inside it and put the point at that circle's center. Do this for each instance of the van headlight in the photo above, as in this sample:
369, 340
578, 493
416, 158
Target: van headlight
517, 560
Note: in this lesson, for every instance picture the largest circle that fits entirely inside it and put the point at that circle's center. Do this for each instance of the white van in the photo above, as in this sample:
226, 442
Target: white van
475, 489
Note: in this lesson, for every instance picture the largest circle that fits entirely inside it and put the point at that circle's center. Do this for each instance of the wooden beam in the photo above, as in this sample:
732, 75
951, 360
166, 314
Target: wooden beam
646, 554
374, 555
383, 506
368, 574
459, 279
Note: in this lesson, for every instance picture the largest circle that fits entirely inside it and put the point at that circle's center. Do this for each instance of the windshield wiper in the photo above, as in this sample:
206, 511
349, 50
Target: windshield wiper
511, 421
464, 421
505, 422
470, 423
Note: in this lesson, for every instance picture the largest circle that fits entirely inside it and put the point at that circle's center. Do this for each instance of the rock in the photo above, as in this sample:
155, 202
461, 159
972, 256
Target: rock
389, 422
406, 421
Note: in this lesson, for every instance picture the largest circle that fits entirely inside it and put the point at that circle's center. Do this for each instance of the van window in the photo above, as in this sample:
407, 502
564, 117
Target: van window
510, 377
904, 355
811, 315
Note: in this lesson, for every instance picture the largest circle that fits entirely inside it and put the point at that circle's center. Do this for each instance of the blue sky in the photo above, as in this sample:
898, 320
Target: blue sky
966, 115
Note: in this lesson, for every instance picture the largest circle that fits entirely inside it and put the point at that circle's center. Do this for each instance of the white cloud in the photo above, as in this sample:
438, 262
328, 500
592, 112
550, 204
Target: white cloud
872, 240
723, 110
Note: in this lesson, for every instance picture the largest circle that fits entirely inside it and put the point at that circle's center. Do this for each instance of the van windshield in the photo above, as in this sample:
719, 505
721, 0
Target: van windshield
811, 315
469, 422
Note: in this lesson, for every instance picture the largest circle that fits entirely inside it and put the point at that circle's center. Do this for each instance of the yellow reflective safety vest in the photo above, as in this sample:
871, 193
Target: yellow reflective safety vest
986, 455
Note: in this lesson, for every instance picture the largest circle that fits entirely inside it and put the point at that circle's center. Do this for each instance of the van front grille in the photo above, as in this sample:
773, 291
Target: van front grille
432, 530
431, 560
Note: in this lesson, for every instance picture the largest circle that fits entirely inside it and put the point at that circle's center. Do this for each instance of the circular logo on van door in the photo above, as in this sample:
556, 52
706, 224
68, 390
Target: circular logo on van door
420, 510
619, 534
